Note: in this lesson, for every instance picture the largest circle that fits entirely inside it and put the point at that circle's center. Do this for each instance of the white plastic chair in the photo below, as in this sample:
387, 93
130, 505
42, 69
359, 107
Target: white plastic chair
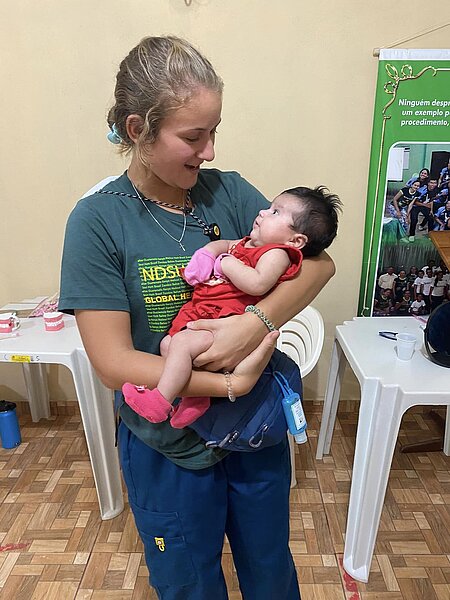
98, 186
301, 339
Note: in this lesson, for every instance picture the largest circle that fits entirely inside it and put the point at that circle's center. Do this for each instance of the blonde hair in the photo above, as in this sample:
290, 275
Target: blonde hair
159, 75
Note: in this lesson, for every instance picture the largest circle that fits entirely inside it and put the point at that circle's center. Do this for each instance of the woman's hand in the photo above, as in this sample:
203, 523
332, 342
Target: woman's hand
234, 338
249, 370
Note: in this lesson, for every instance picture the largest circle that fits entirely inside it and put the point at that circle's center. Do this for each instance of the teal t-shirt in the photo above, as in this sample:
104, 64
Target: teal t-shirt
116, 257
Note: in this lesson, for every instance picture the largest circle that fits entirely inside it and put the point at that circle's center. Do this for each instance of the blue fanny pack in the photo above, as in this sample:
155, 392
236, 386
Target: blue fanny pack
254, 421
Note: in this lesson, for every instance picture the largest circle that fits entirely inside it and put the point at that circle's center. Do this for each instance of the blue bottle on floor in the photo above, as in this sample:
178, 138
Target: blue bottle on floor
9, 425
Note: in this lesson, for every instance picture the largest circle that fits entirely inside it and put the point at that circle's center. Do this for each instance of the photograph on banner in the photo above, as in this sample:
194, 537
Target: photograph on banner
408, 186
417, 201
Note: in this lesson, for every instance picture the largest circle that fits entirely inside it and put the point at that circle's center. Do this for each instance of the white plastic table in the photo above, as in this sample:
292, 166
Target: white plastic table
33, 348
389, 387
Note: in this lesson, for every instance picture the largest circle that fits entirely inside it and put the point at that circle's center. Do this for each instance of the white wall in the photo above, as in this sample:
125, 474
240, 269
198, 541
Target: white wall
299, 90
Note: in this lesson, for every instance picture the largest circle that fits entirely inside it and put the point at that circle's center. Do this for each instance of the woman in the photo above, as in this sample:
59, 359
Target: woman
401, 285
383, 306
423, 178
123, 252
403, 304
398, 208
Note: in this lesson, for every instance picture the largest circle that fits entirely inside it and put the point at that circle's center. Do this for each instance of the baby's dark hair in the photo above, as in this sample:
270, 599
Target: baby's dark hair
317, 218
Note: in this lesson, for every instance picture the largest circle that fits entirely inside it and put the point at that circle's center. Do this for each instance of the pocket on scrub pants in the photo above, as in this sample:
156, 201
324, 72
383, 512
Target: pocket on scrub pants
166, 553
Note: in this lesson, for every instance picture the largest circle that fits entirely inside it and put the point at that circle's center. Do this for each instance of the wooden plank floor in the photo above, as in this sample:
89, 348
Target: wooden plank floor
54, 546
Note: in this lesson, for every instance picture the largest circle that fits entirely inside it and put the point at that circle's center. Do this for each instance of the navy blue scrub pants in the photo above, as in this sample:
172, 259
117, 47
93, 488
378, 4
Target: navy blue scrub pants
182, 516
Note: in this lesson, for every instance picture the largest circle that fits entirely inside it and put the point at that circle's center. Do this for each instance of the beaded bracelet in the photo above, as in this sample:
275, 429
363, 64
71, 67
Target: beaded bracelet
259, 313
231, 396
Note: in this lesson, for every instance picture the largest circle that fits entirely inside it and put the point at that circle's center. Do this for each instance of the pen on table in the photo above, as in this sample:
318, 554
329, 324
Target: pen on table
390, 335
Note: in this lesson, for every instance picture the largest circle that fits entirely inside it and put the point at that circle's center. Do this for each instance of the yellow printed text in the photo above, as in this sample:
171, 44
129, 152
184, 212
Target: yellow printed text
168, 298
158, 273
21, 358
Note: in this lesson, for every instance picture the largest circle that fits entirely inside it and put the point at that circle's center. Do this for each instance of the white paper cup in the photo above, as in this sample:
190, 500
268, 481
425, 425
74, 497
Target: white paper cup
406, 343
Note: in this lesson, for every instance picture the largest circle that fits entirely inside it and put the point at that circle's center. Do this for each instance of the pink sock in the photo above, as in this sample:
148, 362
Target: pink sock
188, 411
150, 404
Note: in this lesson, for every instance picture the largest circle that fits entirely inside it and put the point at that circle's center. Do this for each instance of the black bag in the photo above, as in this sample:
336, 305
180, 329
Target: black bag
254, 421
437, 335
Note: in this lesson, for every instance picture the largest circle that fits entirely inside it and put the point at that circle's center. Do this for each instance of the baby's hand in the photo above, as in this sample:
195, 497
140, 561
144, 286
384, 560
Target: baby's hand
200, 267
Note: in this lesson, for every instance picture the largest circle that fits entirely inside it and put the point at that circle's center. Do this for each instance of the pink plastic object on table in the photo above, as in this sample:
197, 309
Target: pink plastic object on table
9, 322
47, 305
53, 321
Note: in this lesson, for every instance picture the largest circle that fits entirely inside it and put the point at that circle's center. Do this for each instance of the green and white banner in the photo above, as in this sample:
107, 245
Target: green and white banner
409, 172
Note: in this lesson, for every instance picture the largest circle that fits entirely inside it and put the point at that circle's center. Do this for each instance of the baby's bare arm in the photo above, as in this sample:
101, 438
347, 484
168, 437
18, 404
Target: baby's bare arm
218, 247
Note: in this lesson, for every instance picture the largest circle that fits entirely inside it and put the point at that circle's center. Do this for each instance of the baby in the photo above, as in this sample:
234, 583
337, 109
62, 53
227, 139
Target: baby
229, 276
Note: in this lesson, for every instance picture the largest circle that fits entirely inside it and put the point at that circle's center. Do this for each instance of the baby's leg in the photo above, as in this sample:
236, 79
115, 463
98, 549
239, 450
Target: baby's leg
190, 408
184, 347
156, 405
164, 346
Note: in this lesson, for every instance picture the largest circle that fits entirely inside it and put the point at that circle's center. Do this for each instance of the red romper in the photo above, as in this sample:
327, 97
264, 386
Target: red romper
224, 299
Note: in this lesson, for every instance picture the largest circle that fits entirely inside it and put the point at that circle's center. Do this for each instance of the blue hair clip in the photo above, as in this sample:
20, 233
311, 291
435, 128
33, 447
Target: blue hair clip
113, 136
